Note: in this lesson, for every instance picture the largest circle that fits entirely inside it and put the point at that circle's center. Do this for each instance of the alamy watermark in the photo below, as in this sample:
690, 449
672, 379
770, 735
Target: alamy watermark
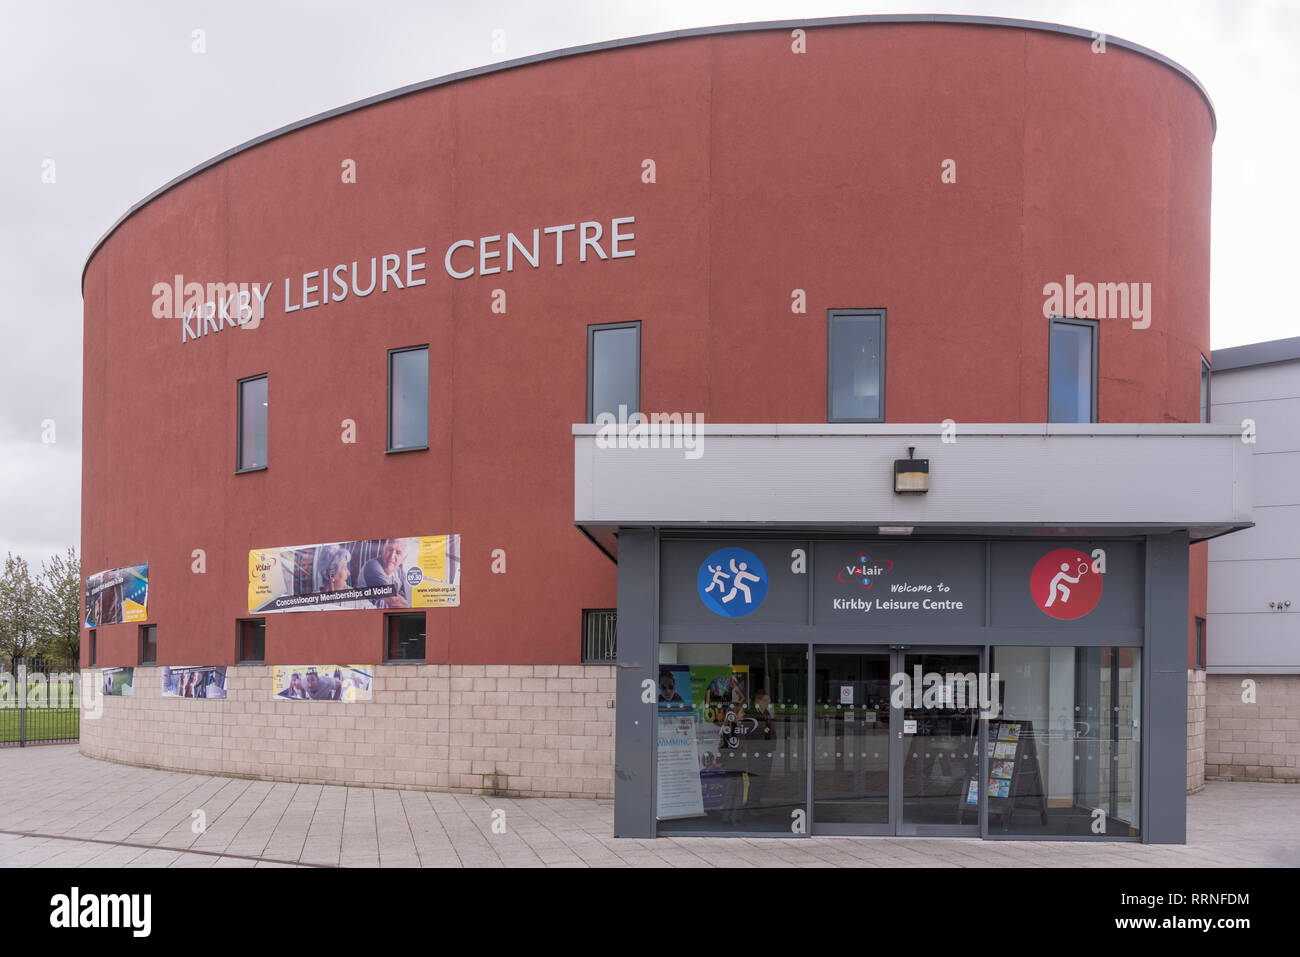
956, 690
658, 430
37, 691
1102, 300
210, 307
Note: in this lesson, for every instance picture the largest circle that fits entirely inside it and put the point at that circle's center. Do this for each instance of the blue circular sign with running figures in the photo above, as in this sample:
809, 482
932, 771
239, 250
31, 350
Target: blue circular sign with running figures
732, 582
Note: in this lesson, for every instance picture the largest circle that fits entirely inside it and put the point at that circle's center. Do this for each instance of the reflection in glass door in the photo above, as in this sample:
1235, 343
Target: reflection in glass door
896, 741
851, 743
939, 773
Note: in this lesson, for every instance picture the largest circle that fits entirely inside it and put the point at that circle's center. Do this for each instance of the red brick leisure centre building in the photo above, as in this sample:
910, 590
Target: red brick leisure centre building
928, 300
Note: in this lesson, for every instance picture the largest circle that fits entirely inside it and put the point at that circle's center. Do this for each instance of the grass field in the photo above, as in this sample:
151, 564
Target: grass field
42, 724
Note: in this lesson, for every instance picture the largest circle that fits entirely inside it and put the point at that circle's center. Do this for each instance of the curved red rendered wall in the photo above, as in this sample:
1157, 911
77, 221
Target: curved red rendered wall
775, 171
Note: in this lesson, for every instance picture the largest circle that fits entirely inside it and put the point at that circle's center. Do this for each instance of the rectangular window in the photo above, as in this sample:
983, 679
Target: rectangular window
855, 365
599, 636
1200, 644
408, 398
1205, 390
93, 649
613, 369
405, 637
148, 644
1072, 388
252, 641
252, 424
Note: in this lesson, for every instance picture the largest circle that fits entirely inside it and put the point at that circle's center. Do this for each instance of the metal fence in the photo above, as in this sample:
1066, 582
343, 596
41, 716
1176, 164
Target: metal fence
39, 705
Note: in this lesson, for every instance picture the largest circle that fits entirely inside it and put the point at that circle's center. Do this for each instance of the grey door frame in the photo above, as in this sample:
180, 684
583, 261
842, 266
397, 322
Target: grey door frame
897, 825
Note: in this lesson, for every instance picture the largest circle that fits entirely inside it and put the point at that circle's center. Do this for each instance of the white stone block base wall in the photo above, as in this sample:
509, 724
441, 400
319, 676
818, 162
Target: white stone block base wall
1257, 741
1195, 730
539, 730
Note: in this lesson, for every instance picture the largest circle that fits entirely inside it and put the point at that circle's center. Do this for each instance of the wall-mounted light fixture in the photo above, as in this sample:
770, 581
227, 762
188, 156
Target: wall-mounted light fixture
911, 474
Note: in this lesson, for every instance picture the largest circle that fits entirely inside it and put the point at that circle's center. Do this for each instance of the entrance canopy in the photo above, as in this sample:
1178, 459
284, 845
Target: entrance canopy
1041, 479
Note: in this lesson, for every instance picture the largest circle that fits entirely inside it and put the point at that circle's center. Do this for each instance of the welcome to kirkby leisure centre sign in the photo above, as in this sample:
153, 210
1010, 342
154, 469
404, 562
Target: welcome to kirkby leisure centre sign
204, 308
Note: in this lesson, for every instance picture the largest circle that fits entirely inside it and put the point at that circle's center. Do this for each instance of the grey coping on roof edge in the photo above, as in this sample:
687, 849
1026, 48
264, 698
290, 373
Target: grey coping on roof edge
654, 38
1255, 354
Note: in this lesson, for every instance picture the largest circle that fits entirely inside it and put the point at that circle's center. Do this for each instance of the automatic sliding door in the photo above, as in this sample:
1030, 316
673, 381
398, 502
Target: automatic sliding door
939, 772
851, 743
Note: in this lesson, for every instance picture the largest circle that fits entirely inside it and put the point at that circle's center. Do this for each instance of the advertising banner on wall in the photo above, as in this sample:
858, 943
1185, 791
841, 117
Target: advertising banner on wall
117, 595
202, 682
117, 681
346, 683
415, 572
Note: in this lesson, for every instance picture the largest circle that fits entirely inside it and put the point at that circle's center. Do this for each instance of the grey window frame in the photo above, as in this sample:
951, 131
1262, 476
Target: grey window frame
831, 316
1208, 380
144, 629
1200, 643
240, 468
388, 628
587, 615
93, 646
1094, 326
239, 642
388, 439
591, 363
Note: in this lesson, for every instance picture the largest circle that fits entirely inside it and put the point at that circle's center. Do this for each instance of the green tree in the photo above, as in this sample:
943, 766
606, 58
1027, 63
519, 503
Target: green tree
60, 606
20, 613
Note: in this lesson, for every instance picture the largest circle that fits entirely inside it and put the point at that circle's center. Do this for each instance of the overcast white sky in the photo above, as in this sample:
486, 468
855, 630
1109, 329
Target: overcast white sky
113, 94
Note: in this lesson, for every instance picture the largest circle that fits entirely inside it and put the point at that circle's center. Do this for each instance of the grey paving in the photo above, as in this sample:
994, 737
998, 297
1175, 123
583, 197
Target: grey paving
59, 808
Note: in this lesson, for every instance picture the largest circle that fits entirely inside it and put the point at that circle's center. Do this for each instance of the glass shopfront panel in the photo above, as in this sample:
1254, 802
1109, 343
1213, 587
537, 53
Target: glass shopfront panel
731, 742
1065, 752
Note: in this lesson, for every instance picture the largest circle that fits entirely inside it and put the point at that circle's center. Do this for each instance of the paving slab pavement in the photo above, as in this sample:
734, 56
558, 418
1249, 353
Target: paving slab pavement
59, 808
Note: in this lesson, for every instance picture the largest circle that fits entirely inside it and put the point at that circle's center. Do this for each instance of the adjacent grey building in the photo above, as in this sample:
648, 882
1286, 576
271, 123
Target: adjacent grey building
1252, 640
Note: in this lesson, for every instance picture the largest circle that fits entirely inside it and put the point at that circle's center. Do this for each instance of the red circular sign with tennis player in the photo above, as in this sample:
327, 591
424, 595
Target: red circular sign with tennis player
1064, 585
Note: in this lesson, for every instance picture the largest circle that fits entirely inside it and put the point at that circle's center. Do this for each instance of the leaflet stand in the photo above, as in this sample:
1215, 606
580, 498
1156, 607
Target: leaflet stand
1015, 778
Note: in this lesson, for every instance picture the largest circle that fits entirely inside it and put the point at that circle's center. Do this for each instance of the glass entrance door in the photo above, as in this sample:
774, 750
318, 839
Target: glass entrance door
896, 741
939, 743
852, 743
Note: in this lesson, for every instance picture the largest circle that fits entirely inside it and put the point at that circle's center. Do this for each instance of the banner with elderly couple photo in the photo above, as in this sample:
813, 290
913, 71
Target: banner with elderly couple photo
416, 572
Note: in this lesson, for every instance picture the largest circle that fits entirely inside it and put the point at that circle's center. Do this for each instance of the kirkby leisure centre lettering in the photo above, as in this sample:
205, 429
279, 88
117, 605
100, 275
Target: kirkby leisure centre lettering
899, 582
209, 308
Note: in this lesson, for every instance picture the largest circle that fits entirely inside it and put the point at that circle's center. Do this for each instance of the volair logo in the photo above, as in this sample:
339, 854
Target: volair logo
102, 910
863, 571
264, 565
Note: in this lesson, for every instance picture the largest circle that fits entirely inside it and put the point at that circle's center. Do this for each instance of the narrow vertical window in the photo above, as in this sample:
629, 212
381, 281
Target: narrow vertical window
1072, 395
408, 399
613, 369
855, 365
1200, 644
93, 649
252, 423
1205, 389
148, 644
